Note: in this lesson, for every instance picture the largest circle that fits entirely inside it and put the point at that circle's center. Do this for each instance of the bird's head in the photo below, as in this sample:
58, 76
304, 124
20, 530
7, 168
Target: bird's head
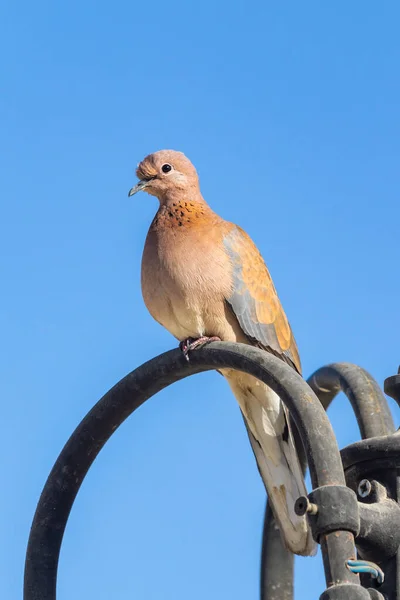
165, 172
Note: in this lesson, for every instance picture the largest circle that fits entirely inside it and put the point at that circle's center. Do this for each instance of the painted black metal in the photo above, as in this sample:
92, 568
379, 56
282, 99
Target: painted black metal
336, 508
93, 432
374, 419
379, 535
348, 592
378, 460
367, 400
392, 386
375, 595
385, 448
276, 583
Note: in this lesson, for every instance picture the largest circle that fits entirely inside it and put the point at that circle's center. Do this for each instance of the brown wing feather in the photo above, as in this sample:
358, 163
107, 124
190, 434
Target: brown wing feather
255, 302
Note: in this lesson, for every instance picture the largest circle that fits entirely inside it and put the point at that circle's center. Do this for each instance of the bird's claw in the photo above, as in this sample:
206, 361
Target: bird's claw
184, 347
190, 344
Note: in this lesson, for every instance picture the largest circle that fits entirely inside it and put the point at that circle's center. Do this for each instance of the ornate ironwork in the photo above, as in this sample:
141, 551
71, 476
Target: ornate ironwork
340, 515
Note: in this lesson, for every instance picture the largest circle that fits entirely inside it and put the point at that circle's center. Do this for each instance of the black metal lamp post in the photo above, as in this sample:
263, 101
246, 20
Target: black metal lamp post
365, 511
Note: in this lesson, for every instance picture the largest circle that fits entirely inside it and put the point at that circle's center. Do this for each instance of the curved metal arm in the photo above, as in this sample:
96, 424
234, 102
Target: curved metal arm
367, 400
374, 419
90, 436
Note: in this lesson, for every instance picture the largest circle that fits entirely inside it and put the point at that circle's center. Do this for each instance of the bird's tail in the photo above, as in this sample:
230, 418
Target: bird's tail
272, 442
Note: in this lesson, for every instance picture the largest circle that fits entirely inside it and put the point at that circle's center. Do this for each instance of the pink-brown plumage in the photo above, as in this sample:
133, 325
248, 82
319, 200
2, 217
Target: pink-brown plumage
203, 276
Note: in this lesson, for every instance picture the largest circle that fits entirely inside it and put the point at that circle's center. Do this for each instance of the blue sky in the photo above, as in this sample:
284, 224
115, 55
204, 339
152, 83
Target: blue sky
290, 111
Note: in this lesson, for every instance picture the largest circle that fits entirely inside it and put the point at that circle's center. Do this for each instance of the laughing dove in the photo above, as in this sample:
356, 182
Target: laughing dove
204, 279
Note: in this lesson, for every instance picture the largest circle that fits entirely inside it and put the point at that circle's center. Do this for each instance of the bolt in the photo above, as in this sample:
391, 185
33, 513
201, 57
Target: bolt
303, 506
364, 488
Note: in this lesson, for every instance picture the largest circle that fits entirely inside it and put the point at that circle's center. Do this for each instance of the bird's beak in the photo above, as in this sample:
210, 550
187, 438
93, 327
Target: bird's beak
143, 183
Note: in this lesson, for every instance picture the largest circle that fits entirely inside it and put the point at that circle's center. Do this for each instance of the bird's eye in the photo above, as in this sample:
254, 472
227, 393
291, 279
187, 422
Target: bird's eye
166, 168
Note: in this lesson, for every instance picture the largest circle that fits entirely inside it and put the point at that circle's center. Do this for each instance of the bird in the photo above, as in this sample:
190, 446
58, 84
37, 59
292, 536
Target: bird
203, 279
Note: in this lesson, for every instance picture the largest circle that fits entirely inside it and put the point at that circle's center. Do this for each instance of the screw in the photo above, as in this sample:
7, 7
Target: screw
303, 506
364, 488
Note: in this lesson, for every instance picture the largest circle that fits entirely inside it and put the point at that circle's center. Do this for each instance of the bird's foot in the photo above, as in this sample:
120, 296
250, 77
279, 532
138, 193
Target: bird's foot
192, 343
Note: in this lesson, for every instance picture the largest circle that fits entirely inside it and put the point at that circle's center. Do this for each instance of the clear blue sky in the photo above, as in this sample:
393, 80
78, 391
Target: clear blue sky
290, 111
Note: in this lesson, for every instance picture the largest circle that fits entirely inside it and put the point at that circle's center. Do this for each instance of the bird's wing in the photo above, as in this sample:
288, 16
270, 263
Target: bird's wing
254, 300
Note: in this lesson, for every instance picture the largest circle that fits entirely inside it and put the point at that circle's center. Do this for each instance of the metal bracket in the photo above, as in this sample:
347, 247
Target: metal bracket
337, 509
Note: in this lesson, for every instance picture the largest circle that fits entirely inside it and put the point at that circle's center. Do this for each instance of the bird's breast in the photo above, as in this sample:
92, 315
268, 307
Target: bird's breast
186, 276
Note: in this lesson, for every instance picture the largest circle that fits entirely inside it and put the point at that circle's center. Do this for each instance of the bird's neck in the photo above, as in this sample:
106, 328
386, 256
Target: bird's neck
187, 194
180, 211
